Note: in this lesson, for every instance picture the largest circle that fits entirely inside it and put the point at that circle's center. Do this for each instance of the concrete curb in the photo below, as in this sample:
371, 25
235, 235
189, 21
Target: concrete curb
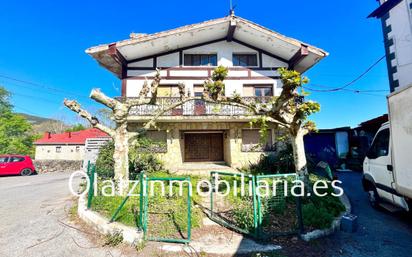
335, 224
102, 225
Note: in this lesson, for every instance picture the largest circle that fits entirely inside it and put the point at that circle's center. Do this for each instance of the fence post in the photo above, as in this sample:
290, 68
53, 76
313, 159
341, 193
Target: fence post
141, 213
255, 211
189, 211
91, 191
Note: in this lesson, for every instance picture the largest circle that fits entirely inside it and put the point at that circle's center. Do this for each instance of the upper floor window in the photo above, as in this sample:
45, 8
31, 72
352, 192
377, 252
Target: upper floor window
168, 91
58, 149
244, 60
258, 90
200, 60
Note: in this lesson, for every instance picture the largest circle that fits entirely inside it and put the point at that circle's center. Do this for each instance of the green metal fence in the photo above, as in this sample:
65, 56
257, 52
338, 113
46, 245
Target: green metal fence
238, 209
279, 211
158, 218
163, 221
242, 207
262, 215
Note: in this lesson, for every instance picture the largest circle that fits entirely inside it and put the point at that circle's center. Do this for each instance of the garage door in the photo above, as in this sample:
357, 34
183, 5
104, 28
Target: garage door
203, 147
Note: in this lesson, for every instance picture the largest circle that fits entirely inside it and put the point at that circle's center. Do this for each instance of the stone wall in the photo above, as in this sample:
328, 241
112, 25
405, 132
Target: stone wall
44, 166
232, 142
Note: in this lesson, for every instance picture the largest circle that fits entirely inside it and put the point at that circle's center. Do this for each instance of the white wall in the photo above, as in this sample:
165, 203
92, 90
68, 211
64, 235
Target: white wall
223, 49
68, 152
400, 19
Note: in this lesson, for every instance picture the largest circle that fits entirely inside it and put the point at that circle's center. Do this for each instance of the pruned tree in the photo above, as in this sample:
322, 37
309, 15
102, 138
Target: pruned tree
120, 112
290, 110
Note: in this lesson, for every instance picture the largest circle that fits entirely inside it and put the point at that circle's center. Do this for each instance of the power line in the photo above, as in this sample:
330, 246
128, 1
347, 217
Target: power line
26, 110
351, 82
35, 98
344, 89
43, 86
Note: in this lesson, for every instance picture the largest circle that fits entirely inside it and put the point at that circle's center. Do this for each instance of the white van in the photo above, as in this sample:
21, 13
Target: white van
387, 168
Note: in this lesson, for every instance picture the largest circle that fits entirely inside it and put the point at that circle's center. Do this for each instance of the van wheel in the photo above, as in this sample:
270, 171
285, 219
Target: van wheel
373, 197
26, 172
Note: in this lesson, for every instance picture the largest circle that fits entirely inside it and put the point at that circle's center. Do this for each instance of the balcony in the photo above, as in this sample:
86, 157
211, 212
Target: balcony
197, 107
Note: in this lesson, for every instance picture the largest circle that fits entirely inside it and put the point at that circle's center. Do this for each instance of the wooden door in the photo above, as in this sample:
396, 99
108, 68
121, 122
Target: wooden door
203, 147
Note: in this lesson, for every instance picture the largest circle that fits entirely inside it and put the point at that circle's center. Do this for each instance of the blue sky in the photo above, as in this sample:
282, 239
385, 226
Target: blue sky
44, 41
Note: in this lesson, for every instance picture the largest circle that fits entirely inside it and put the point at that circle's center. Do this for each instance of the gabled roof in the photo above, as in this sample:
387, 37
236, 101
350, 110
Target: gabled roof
384, 8
75, 138
231, 28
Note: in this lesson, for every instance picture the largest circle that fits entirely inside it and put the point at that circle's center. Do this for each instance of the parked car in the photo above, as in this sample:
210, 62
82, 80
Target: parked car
16, 165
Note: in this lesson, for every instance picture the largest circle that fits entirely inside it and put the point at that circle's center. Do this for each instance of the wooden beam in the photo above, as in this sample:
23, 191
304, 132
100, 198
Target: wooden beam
298, 56
176, 50
261, 50
117, 55
231, 30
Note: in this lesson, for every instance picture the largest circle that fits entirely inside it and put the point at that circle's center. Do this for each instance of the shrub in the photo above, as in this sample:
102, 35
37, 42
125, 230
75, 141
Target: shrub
319, 211
316, 217
140, 159
281, 162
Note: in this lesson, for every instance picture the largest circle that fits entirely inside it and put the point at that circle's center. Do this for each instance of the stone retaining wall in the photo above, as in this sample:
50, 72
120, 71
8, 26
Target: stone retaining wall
44, 166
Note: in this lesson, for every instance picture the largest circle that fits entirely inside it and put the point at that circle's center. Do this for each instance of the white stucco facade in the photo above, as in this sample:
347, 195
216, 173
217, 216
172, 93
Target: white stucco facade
60, 152
397, 29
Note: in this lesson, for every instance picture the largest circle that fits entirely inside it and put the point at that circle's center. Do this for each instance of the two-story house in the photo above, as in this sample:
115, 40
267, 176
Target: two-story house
199, 131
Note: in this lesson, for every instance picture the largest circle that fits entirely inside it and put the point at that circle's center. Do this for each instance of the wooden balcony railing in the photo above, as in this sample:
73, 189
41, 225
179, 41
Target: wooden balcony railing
197, 107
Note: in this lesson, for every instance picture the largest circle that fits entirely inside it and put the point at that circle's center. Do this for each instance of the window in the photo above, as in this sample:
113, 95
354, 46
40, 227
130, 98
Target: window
258, 90
252, 142
200, 60
16, 159
3, 159
168, 91
263, 91
77, 149
380, 146
244, 60
158, 141
58, 149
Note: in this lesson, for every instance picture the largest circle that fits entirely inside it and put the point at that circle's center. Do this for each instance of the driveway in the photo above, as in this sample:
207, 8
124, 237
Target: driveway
34, 219
380, 233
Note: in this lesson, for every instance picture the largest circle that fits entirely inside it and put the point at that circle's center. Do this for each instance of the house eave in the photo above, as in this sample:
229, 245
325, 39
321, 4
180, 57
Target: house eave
214, 29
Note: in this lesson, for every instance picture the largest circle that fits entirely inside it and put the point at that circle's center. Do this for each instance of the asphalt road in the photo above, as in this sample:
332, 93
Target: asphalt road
380, 233
31, 211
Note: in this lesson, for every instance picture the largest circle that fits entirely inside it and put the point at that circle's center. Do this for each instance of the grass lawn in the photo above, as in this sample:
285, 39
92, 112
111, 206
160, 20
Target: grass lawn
167, 215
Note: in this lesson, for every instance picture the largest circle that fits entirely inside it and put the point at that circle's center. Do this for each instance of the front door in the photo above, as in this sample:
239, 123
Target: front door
203, 147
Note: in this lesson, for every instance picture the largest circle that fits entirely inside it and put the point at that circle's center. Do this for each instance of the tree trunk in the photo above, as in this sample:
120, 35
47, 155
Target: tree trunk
121, 158
299, 155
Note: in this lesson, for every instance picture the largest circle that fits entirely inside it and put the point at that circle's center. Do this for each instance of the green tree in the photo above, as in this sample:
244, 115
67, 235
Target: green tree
15, 130
76, 127
290, 110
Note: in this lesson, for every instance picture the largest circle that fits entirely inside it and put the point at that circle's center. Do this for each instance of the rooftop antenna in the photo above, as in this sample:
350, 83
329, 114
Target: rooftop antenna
232, 8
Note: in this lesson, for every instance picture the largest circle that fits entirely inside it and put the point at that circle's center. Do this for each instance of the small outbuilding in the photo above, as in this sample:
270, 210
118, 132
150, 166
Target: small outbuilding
66, 146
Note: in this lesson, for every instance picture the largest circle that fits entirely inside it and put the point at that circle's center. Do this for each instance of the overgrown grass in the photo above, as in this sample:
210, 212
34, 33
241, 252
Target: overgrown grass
167, 215
279, 213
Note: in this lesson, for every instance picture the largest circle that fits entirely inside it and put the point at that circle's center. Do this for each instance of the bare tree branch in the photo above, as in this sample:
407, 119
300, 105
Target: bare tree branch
154, 85
100, 97
152, 121
145, 90
75, 107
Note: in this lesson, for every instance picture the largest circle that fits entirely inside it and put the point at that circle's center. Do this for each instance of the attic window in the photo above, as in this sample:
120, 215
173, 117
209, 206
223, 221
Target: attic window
244, 60
200, 60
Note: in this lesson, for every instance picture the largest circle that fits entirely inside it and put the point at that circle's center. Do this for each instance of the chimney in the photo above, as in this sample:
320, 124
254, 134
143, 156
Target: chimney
69, 134
47, 135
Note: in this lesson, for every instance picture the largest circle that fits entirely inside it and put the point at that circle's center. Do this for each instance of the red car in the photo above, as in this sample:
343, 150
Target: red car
16, 165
